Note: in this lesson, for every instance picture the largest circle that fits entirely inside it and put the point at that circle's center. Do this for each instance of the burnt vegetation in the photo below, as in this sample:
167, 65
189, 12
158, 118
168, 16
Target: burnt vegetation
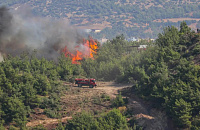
166, 74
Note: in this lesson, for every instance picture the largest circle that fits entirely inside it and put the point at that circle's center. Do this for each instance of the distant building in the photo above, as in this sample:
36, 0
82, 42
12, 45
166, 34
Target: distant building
152, 40
88, 30
138, 47
92, 30
139, 39
132, 39
104, 40
142, 47
96, 30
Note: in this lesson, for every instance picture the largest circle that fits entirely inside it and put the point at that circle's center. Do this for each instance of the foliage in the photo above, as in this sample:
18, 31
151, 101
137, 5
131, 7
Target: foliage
51, 113
39, 127
82, 121
112, 59
24, 83
105, 97
60, 126
166, 75
118, 101
133, 124
111, 121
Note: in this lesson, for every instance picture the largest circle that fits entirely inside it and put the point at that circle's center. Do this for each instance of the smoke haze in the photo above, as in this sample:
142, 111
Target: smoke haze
1, 57
21, 31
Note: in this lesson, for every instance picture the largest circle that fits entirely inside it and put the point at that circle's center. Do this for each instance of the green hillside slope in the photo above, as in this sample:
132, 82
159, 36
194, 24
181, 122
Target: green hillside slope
138, 18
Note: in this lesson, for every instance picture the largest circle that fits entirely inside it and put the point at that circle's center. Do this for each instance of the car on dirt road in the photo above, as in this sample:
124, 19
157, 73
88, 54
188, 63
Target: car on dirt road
85, 82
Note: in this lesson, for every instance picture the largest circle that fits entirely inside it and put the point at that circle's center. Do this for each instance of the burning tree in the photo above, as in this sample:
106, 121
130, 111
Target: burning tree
85, 50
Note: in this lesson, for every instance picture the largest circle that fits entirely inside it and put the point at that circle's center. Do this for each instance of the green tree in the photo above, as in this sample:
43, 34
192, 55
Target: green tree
15, 111
113, 120
82, 121
183, 113
42, 84
184, 29
118, 101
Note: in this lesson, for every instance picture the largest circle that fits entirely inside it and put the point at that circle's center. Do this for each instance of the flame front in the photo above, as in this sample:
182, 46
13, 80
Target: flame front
90, 48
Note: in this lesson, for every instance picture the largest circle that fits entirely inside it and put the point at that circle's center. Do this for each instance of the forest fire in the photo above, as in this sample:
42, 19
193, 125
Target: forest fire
85, 50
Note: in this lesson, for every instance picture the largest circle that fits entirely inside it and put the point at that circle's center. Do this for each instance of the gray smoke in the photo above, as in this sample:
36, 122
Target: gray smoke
1, 57
21, 31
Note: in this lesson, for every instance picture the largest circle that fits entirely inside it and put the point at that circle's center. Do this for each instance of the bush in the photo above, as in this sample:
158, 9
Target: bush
51, 113
39, 127
118, 101
105, 97
2, 127
113, 120
82, 121
53, 101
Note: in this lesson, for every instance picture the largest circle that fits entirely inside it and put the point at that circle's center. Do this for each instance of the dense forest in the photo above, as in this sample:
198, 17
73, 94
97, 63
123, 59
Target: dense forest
133, 18
167, 75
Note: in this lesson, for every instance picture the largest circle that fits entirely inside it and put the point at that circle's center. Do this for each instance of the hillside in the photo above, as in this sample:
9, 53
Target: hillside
97, 100
133, 18
165, 78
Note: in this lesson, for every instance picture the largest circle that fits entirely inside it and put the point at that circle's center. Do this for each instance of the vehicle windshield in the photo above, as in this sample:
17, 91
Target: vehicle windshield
93, 81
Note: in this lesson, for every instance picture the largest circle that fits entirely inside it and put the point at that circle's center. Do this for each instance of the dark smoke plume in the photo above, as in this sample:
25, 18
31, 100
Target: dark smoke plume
21, 31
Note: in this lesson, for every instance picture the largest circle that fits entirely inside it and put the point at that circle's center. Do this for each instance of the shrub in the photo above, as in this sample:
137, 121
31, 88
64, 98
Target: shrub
113, 120
39, 127
51, 113
82, 121
118, 101
105, 97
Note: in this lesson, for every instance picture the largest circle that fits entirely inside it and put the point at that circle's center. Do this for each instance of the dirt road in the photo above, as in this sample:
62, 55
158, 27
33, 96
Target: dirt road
146, 116
92, 100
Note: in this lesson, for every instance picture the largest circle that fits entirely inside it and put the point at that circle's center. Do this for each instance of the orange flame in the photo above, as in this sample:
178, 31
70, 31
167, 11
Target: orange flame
90, 48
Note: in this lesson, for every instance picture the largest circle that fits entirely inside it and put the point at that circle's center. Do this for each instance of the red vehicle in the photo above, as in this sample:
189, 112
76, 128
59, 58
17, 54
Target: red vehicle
85, 82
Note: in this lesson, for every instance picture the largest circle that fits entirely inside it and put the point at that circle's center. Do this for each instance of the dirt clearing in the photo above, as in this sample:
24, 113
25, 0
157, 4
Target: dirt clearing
98, 100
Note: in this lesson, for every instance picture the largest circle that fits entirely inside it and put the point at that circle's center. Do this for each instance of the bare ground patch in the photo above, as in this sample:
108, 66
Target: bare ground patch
93, 100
